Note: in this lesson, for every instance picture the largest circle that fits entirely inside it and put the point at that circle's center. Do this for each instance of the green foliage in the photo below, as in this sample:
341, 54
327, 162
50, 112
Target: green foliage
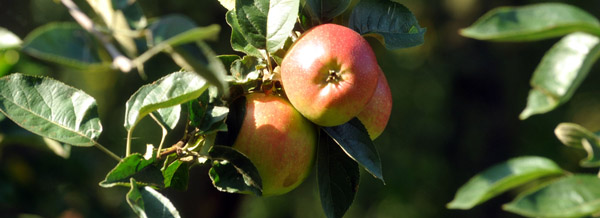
389, 22
323, 11
561, 71
175, 89
572, 196
233, 172
64, 43
135, 166
147, 202
503, 177
50, 108
533, 22
353, 138
338, 177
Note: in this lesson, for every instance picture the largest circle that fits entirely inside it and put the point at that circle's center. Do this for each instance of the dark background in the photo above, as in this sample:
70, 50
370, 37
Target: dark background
455, 113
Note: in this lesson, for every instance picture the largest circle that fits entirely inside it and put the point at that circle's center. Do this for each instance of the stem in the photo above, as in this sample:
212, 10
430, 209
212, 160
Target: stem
164, 133
128, 146
110, 153
119, 60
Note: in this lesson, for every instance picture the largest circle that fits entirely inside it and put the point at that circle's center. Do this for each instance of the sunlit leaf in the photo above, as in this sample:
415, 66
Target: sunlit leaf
390, 22
8, 39
50, 108
532, 22
266, 24
355, 141
174, 89
560, 72
168, 117
134, 166
64, 43
338, 177
147, 202
228, 4
572, 196
502, 177
177, 175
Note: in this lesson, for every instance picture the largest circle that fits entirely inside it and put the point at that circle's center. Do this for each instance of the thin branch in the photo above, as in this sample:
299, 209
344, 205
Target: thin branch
105, 150
119, 60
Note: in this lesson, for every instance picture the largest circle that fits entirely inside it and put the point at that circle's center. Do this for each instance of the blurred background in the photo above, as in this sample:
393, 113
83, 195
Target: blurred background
455, 113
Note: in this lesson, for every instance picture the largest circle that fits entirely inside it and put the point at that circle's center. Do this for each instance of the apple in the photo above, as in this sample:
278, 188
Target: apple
279, 141
376, 114
329, 74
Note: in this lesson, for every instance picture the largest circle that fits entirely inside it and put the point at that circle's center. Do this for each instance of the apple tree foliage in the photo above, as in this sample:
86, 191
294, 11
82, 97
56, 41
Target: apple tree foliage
117, 35
545, 190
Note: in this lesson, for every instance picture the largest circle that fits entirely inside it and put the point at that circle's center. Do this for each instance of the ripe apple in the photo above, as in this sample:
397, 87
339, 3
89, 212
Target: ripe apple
376, 114
279, 141
329, 74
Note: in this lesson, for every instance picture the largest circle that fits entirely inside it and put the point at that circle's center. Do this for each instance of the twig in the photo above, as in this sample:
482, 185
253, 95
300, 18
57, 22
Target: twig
119, 60
105, 150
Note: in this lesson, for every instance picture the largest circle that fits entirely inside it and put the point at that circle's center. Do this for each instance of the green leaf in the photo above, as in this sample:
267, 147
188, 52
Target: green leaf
572, 196
50, 108
573, 135
246, 69
134, 166
64, 43
201, 59
560, 72
174, 89
355, 141
502, 177
233, 172
177, 175
338, 177
8, 39
134, 15
228, 59
234, 121
147, 202
238, 40
168, 117
326, 10
390, 22
266, 24
532, 22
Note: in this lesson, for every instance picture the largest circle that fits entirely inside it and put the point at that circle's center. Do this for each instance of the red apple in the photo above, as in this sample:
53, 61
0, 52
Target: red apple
376, 114
329, 74
279, 141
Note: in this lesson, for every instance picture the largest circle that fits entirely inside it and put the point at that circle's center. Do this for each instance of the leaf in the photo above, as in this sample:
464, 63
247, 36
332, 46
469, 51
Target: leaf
560, 72
228, 59
50, 108
147, 202
266, 24
173, 89
134, 166
134, 15
64, 43
238, 40
390, 22
214, 120
8, 39
234, 121
228, 4
338, 177
532, 22
502, 177
168, 117
246, 69
355, 141
326, 10
572, 196
177, 175
573, 135
201, 59
233, 172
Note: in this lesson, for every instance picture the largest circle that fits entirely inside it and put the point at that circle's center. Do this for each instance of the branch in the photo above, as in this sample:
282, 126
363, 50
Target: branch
119, 60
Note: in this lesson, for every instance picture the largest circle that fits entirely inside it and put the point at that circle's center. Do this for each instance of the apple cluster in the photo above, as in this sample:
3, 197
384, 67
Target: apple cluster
330, 75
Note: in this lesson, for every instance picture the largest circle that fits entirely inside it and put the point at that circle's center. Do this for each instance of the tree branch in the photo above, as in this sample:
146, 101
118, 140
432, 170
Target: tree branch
120, 61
